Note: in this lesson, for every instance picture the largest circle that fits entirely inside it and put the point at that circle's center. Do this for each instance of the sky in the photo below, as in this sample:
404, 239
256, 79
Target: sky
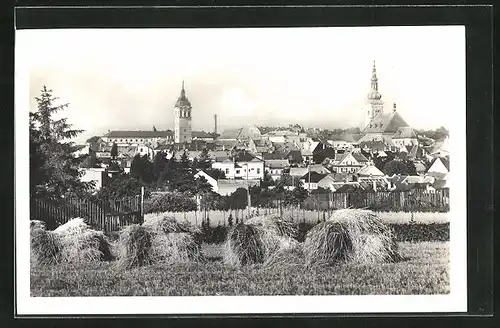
129, 79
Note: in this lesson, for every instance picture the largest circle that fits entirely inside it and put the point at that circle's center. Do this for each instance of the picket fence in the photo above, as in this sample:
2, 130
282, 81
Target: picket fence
318, 207
105, 214
412, 200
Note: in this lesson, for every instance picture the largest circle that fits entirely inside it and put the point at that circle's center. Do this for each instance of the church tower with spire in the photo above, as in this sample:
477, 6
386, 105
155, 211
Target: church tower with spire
182, 118
374, 99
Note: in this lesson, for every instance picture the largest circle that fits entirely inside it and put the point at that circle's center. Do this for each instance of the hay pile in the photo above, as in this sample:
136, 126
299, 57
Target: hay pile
350, 235
45, 246
256, 240
285, 257
73, 242
134, 246
81, 244
160, 239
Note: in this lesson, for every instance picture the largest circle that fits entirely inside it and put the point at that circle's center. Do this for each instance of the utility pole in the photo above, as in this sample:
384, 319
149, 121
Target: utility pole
309, 177
249, 201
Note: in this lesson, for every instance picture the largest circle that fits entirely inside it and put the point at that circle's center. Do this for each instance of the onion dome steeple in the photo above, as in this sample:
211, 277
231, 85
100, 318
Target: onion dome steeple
183, 101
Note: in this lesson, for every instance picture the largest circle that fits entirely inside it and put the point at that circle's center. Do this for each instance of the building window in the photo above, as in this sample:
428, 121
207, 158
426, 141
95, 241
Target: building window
184, 130
227, 171
258, 170
237, 171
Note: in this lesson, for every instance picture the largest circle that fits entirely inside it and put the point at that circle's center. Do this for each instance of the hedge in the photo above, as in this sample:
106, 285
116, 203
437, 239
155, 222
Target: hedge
169, 202
410, 232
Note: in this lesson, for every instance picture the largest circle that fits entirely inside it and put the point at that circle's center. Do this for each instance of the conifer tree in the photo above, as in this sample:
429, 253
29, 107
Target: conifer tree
54, 170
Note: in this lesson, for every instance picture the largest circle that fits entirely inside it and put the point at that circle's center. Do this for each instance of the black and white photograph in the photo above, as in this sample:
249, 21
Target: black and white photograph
241, 170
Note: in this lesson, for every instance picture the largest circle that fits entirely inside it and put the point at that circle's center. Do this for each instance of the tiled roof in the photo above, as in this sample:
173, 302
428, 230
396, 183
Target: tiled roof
359, 157
385, 123
374, 145
315, 177
277, 163
405, 132
139, 134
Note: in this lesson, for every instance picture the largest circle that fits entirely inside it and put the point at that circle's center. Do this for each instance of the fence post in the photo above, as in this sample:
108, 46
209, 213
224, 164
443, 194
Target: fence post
142, 202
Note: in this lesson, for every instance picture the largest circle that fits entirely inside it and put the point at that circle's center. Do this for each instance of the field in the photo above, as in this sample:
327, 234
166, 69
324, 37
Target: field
221, 217
424, 270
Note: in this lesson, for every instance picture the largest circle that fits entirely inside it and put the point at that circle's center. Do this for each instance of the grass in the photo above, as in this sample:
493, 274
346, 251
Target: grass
424, 270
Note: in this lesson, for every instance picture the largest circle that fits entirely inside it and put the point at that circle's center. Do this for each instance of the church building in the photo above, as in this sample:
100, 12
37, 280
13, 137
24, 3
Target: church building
390, 127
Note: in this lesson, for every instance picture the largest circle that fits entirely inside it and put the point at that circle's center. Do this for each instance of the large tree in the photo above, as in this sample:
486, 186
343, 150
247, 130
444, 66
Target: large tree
54, 169
203, 161
114, 151
395, 167
159, 164
142, 168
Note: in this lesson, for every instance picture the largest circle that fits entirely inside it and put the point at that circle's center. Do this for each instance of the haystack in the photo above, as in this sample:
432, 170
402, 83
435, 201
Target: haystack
286, 257
134, 247
175, 247
74, 242
160, 239
160, 222
45, 246
350, 235
327, 243
81, 244
257, 240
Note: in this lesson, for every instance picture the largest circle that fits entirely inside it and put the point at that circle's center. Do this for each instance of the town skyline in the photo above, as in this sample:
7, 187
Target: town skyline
105, 92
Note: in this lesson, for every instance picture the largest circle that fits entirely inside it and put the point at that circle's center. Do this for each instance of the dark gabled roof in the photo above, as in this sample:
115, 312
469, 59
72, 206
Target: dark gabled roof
359, 157
315, 177
139, 134
374, 145
246, 157
273, 156
385, 123
201, 134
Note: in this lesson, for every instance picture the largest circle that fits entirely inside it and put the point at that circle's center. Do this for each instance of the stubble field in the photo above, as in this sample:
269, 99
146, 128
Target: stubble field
423, 270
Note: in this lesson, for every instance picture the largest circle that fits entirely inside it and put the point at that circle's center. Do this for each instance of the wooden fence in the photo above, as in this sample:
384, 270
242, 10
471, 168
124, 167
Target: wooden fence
418, 200
318, 207
107, 215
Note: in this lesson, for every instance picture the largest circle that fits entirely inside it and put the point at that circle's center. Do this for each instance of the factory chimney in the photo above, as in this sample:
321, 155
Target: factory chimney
215, 123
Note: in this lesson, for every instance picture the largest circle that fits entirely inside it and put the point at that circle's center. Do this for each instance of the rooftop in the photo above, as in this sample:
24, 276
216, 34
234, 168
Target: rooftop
385, 123
139, 134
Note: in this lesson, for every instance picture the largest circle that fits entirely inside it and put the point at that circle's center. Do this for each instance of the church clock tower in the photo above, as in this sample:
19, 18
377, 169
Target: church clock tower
375, 104
182, 117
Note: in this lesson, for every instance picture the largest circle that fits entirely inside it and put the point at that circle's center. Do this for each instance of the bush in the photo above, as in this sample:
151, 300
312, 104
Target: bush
418, 232
170, 202
412, 232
